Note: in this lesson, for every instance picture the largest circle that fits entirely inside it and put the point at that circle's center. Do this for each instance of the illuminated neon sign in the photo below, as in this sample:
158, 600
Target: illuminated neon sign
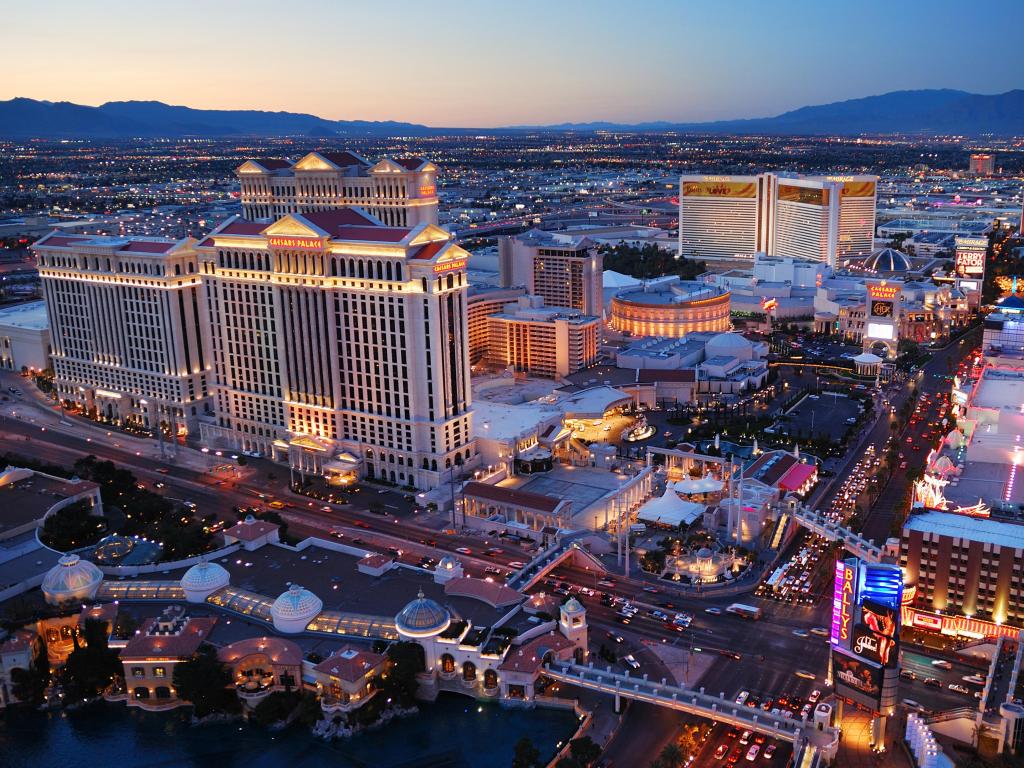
842, 603
883, 291
428, 190
449, 266
881, 584
295, 243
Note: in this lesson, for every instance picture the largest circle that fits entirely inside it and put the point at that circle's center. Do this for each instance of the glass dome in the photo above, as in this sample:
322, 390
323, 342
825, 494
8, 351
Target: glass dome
422, 617
205, 576
888, 260
296, 603
71, 579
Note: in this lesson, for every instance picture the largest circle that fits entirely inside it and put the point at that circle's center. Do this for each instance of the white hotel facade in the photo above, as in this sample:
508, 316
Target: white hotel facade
327, 328
816, 218
126, 328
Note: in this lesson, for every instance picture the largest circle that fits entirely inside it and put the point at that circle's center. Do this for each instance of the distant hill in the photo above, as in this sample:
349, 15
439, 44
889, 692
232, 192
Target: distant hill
922, 111
20, 118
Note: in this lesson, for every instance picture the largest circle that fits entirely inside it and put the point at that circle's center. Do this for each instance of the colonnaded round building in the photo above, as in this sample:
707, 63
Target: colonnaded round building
671, 309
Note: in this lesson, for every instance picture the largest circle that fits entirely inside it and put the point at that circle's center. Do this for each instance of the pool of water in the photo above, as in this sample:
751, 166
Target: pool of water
454, 732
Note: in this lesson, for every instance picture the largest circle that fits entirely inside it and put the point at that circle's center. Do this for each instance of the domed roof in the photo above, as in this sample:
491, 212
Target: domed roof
205, 576
724, 342
888, 260
572, 605
704, 553
447, 563
295, 604
422, 616
71, 579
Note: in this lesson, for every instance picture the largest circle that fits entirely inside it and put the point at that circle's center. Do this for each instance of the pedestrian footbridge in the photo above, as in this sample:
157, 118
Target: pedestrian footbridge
803, 734
549, 559
856, 544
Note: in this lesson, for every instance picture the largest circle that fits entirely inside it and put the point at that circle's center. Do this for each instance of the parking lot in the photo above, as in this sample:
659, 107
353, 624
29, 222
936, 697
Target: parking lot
829, 415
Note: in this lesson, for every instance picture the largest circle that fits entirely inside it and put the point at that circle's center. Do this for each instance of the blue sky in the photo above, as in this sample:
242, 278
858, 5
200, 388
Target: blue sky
459, 63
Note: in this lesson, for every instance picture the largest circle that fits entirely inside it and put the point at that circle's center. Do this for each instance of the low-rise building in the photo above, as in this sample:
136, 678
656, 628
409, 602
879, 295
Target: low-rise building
261, 665
531, 514
25, 337
545, 341
149, 658
345, 679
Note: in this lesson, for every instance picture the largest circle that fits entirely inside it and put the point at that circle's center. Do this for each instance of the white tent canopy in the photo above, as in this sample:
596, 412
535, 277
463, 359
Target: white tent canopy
669, 509
698, 485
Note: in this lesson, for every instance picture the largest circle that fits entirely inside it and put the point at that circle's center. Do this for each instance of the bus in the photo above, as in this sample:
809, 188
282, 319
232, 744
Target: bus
745, 611
776, 577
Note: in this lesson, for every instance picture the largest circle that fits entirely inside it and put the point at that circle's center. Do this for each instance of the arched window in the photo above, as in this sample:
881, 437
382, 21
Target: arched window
447, 663
388, 272
490, 679
469, 671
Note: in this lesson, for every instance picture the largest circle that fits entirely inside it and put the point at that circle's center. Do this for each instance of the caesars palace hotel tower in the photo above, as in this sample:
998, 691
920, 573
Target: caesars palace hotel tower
336, 316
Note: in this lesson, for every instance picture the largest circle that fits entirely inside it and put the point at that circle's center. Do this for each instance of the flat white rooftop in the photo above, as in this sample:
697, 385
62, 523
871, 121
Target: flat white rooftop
30, 316
1000, 388
985, 530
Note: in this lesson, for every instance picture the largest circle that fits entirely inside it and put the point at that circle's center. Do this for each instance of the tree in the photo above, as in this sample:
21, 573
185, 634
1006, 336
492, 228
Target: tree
526, 755
73, 527
671, 755
584, 751
204, 681
399, 682
29, 685
91, 666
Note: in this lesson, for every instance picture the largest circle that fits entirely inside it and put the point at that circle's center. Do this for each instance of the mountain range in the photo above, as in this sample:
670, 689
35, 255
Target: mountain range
926, 112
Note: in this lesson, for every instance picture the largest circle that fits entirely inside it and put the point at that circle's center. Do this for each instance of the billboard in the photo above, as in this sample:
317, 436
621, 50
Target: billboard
857, 189
881, 331
970, 256
857, 678
724, 188
805, 195
876, 635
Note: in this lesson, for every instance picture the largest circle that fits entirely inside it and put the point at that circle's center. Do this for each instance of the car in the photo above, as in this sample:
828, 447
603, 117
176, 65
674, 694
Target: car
623, 618
959, 688
606, 583
742, 696
464, 550
337, 533
941, 664
801, 632
819, 631
730, 654
734, 756
325, 508
908, 674
760, 737
934, 682
158, 484
815, 695
752, 753
516, 565
804, 674
976, 679
766, 705
769, 751
162, 470
805, 711
713, 611
276, 504
661, 615
630, 661
652, 590
732, 734
745, 737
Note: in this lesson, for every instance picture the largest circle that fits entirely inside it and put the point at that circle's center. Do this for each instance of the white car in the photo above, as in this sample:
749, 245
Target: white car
631, 662
742, 697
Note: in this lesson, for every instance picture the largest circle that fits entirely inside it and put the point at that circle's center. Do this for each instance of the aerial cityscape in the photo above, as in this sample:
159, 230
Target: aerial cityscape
604, 385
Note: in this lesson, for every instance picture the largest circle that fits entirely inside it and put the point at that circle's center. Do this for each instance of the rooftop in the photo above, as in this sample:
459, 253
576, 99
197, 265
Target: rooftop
985, 530
511, 496
30, 316
150, 643
350, 663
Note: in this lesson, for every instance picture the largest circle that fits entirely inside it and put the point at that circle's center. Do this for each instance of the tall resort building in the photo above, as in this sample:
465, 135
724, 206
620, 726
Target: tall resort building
400, 192
564, 270
816, 218
125, 326
340, 345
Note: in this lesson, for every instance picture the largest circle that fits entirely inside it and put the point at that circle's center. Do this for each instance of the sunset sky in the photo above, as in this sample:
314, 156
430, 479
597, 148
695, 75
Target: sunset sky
484, 64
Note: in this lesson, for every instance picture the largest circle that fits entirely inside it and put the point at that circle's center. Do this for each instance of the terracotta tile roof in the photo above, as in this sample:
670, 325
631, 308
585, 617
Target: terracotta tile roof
19, 641
652, 376
273, 164
350, 663
240, 227
377, 234
104, 612
430, 250
330, 221
58, 241
278, 650
179, 646
490, 592
343, 159
149, 246
771, 467
529, 658
511, 496
411, 163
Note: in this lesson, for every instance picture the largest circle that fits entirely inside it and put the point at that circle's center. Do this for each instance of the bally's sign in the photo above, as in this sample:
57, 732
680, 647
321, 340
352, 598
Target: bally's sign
295, 243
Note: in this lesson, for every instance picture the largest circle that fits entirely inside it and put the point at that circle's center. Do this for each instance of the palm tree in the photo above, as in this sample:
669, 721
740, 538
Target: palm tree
671, 756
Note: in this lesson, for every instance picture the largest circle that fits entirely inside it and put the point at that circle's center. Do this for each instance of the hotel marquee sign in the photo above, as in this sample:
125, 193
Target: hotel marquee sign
292, 242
